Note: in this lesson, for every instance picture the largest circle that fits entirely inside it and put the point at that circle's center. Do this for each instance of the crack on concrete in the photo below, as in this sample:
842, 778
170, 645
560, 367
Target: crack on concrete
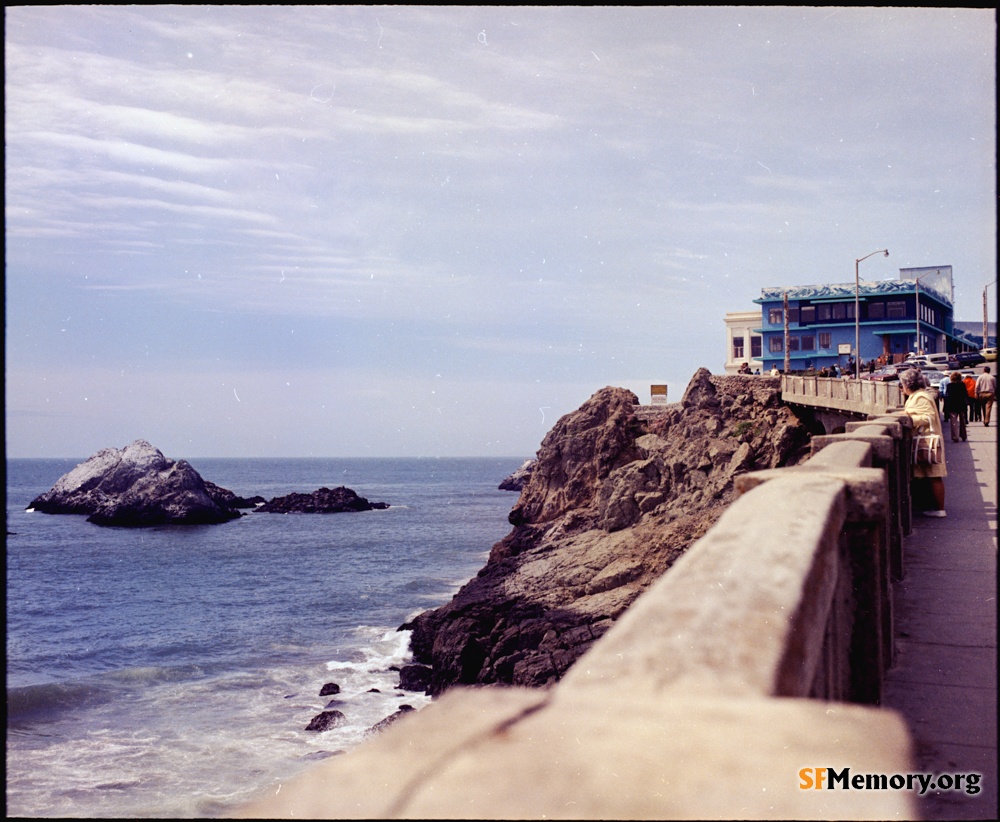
407, 793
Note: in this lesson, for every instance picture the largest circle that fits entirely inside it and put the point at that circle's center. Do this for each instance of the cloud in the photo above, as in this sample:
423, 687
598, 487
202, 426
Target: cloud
558, 195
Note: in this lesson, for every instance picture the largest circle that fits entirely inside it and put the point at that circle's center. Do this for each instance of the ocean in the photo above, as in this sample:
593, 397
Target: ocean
171, 671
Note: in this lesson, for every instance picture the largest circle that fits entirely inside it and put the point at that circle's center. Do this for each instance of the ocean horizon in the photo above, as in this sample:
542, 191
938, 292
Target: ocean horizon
171, 671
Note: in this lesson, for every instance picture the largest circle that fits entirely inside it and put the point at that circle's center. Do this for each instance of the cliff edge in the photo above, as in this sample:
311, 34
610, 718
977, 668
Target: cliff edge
617, 493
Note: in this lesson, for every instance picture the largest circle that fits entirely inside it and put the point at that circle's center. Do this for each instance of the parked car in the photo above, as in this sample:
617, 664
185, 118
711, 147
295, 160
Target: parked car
989, 354
966, 358
938, 361
884, 374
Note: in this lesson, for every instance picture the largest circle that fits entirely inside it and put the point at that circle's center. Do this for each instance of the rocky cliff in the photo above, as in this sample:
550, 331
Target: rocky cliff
617, 493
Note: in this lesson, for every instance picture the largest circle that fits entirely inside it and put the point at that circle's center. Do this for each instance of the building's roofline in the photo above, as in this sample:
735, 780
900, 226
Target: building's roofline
840, 291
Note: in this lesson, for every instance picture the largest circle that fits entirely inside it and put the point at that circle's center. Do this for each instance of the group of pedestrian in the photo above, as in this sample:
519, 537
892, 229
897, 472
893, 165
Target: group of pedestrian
960, 400
967, 399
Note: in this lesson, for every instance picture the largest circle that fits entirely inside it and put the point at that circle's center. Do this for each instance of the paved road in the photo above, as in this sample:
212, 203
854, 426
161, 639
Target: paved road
944, 680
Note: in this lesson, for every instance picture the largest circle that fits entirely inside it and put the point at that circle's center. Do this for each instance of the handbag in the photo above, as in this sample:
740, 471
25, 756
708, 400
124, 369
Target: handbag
927, 449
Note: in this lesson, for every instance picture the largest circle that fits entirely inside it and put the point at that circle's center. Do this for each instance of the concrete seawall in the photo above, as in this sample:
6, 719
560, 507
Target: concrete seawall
761, 653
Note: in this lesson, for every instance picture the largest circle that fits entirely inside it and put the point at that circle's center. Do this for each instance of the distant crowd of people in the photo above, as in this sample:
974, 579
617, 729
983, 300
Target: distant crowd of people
966, 399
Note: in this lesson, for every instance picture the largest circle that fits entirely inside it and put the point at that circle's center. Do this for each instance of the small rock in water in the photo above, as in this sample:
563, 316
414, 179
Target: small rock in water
374, 691
329, 689
385, 723
326, 720
321, 754
333, 702
415, 677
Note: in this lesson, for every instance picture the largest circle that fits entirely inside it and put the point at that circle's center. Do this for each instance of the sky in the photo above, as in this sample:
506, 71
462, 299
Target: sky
322, 231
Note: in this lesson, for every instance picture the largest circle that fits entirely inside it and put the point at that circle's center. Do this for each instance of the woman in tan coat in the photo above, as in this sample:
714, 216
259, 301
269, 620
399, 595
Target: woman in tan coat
922, 410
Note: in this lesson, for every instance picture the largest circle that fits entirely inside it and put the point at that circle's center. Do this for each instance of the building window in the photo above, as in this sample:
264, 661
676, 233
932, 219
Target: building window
737, 348
755, 348
895, 309
793, 343
843, 311
824, 339
776, 345
775, 316
824, 313
876, 311
807, 314
793, 315
808, 342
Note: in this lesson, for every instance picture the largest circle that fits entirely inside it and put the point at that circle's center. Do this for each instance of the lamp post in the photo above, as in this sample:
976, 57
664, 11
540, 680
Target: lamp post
857, 313
986, 322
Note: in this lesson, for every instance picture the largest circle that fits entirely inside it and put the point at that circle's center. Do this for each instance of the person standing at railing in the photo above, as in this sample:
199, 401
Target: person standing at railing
956, 401
923, 412
986, 388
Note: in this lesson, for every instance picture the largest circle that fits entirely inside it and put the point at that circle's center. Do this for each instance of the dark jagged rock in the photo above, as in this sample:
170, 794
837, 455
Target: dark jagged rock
326, 720
618, 493
323, 501
414, 677
135, 486
517, 480
329, 689
227, 499
378, 727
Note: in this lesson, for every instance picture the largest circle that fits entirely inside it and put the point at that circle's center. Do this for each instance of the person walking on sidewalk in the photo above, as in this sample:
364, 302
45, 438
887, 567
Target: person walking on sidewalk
956, 401
986, 391
923, 412
975, 413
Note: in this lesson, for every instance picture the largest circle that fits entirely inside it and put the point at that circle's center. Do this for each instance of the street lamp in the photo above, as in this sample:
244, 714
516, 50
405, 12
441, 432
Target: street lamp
857, 313
986, 323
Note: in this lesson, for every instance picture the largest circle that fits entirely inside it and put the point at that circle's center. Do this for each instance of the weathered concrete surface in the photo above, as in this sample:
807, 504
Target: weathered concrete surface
511, 753
728, 612
851, 396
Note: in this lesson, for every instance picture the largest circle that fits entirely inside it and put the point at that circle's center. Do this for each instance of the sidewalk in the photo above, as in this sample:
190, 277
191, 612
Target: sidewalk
944, 678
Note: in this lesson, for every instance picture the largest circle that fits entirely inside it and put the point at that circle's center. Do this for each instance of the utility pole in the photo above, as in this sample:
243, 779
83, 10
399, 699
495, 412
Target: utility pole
788, 358
986, 320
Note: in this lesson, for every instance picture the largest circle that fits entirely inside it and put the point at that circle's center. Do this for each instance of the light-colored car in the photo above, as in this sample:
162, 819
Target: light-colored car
989, 354
936, 361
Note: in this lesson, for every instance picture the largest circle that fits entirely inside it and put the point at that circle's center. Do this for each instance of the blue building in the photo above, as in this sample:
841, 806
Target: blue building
895, 317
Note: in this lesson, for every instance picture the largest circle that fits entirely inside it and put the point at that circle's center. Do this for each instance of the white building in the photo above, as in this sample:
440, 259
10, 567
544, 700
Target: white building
743, 340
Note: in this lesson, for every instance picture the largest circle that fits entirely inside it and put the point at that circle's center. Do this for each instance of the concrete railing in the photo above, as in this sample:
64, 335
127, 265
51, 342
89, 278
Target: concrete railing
737, 669
853, 396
